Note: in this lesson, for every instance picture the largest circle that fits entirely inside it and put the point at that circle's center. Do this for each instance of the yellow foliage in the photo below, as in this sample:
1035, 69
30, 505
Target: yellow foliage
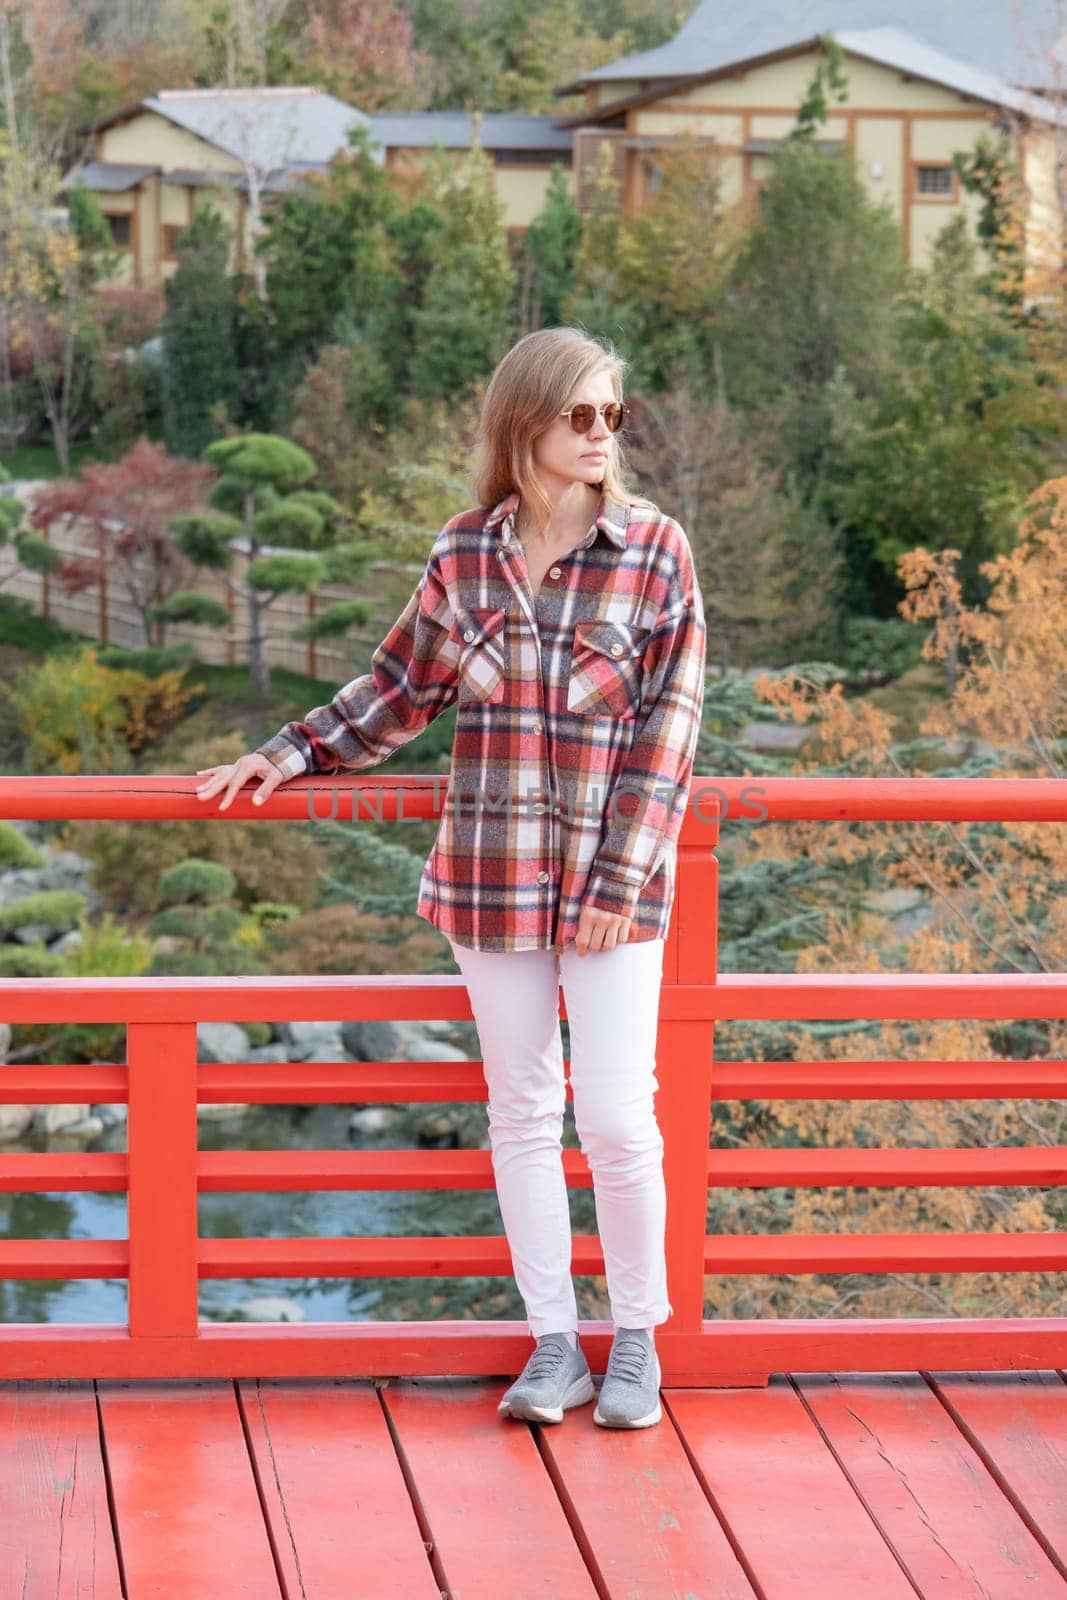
995, 900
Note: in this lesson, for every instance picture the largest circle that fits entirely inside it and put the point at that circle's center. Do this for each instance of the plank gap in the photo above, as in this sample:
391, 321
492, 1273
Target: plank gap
706, 1489
110, 1489
569, 1509
254, 1464
430, 1543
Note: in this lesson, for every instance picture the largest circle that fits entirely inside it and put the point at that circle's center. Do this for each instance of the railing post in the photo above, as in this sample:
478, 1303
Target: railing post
162, 1145
684, 1056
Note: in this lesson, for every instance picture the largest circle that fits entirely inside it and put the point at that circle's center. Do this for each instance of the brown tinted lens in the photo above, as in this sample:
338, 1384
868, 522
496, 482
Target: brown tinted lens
582, 418
615, 415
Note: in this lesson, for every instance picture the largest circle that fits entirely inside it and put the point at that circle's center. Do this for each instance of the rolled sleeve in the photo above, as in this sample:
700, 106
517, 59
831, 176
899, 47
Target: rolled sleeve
644, 811
412, 679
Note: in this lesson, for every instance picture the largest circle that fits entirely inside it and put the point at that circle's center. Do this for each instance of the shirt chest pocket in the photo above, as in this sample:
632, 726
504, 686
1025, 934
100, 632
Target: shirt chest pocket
607, 662
482, 665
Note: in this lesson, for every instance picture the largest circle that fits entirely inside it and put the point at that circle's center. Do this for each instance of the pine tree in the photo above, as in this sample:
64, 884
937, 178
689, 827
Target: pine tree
552, 241
198, 337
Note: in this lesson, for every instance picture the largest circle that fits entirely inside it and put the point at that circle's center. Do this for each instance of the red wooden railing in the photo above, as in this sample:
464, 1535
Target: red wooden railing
163, 1257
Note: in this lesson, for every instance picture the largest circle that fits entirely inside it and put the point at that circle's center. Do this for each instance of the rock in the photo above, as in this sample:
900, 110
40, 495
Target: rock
56, 1119
372, 1119
67, 941
313, 1041
14, 1120
397, 1041
268, 1052
438, 1133
773, 735
371, 1041
89, 1127
5, 1040
221, 1041
271, 1308
33, 933
221, 1111
111, 1116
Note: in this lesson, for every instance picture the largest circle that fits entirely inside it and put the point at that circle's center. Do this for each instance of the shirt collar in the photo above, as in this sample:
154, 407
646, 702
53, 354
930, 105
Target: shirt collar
612, 518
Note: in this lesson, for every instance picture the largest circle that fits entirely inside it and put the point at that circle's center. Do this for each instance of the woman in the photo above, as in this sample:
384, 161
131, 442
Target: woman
563, 618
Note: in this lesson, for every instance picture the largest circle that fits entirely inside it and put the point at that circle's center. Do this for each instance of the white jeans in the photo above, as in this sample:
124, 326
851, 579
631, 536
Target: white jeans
612, 1007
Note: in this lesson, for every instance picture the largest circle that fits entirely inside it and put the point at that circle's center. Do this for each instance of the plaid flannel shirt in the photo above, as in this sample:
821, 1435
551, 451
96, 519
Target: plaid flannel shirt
577, 714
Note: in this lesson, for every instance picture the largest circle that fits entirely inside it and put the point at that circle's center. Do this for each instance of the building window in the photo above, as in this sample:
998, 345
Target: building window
171, 231
936, 181
532, 158
119, 223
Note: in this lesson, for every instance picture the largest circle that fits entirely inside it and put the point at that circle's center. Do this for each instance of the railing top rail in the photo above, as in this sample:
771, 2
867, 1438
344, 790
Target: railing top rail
751, 799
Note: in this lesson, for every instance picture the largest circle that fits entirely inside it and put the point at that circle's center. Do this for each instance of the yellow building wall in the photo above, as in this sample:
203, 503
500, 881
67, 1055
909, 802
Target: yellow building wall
151, 139
883, 121
784, 84
522, 190
726, 127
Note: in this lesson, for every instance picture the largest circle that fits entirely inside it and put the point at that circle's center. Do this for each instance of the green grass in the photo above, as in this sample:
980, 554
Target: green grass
23, 629
40, 460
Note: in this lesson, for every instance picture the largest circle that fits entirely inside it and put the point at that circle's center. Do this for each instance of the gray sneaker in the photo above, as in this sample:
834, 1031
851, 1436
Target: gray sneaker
554, 1378
629, 1395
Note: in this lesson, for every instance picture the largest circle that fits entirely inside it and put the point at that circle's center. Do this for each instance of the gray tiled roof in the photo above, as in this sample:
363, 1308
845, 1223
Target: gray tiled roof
500, 130
107, 177
274, 128
1013, 40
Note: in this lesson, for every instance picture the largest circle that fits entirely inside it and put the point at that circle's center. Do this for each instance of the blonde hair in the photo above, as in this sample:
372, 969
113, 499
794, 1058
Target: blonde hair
530, 386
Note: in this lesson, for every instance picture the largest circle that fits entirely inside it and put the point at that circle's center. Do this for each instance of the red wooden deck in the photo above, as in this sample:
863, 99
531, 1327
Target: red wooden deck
942, 1484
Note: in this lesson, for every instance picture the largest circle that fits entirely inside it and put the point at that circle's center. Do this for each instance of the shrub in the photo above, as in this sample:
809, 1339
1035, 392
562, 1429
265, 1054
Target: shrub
197, 879
16, 850
29, 961
77, 715
57, 909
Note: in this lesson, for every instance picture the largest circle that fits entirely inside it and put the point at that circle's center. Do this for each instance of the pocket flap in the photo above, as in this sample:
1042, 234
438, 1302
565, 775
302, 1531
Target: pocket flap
475, 624
615, 639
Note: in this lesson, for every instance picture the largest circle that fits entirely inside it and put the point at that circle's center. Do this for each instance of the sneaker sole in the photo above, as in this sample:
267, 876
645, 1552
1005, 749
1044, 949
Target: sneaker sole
577, 1395
638, 1422
635, 1422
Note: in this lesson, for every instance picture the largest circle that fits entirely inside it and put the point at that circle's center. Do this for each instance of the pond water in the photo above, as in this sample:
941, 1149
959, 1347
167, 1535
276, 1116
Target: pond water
326, 1213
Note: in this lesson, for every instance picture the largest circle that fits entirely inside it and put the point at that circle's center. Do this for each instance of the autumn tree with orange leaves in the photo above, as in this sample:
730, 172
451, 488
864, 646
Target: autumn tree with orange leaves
979, 897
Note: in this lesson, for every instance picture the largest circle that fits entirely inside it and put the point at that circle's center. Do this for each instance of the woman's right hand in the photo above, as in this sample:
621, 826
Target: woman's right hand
234, 777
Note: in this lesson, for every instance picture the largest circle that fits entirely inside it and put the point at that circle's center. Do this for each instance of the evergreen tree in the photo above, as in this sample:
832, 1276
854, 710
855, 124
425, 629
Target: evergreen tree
464, 321
198, 337
552, 241
809, 298
951, 434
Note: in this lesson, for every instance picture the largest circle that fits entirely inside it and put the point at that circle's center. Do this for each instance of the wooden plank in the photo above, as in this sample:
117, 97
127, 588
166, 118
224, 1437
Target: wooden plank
484, 1494
1018, 1423
641, 1517
189, 1519
950, 1525
333, 1491
786, 1505
56, 1540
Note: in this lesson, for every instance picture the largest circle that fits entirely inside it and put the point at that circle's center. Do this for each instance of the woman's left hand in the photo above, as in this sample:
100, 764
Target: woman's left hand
601, 930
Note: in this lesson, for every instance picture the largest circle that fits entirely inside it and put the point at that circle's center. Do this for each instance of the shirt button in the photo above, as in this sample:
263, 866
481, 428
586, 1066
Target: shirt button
555, 572
616, 649
501, 555
542, 877
469, 635
538, 727
538, 807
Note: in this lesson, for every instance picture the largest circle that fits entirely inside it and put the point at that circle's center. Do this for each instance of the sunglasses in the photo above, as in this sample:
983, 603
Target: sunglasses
583, 417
